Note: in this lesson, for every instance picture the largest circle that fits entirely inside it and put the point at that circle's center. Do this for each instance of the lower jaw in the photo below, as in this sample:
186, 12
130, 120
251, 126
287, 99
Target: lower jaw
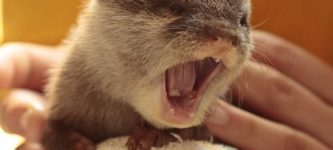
174, 117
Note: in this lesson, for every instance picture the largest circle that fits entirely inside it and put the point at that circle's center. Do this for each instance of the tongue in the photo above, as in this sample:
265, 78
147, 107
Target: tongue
180, 80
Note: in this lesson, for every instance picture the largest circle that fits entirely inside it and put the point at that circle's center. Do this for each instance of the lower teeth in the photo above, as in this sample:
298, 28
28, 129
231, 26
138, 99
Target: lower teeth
174, 93
177, 94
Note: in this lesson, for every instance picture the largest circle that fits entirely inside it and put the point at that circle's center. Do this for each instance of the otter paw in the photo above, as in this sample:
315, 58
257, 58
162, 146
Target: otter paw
144, 138
80, 142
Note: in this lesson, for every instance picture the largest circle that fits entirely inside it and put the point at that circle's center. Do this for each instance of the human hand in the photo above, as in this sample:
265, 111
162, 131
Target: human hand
24, 67
290, 95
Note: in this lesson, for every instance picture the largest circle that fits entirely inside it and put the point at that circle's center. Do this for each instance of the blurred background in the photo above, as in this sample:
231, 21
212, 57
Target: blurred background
307, 23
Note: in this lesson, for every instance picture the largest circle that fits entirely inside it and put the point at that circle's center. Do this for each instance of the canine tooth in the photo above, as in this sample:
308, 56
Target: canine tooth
217, 60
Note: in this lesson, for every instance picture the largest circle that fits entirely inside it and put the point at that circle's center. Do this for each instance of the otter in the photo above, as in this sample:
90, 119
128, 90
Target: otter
161, 61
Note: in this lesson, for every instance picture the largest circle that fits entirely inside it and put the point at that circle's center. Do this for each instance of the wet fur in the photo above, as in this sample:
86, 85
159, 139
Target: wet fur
117, 56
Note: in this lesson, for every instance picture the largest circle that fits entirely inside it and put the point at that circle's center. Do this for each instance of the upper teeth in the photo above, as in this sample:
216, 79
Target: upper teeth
217, 60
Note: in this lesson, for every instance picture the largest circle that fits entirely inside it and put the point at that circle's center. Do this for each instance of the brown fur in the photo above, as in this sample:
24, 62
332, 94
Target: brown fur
117, 56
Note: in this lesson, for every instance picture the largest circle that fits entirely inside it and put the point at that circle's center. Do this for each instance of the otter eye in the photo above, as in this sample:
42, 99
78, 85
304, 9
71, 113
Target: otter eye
177, 9
243, 22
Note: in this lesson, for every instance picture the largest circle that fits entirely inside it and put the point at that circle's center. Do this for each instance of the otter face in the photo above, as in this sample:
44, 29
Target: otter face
173, 57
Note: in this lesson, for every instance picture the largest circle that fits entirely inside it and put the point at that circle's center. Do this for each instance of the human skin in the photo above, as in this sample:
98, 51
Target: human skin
286, 89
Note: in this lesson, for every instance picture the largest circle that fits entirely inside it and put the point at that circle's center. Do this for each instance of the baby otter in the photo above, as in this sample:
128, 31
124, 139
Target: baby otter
163, 61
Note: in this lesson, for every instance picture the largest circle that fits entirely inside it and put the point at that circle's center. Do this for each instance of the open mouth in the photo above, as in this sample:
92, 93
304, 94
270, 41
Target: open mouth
185, 85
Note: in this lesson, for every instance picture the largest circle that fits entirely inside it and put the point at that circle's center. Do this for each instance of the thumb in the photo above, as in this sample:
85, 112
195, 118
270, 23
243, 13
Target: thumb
22, 112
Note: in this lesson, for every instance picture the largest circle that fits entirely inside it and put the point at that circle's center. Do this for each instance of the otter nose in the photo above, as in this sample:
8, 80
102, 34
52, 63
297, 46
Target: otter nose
214, 33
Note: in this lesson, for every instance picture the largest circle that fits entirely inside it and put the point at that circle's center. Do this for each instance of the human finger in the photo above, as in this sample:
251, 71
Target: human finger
296, 63
25, 65
250, 132
22, 112
30, 146
273, 95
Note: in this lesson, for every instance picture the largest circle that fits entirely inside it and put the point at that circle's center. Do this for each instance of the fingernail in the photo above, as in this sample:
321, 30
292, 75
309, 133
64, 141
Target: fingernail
218, 116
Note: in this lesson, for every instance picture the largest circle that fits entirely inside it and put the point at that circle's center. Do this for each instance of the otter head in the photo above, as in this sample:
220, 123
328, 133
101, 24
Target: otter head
169, 59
